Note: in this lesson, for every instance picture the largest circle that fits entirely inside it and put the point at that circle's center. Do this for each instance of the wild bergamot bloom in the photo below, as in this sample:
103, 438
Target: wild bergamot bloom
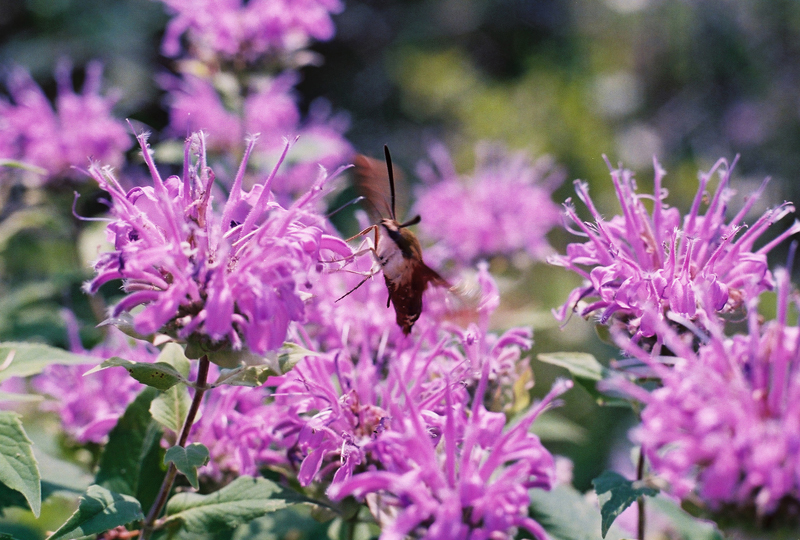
58, 138
248, 29
725, 423
456, 473
641, 266
218, 271
503, 208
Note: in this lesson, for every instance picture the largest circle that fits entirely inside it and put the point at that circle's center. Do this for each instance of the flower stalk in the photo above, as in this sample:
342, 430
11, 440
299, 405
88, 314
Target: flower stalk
169, 479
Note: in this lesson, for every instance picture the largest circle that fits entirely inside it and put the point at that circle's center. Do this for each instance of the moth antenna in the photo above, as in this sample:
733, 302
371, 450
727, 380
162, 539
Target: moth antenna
413, 221
391, 177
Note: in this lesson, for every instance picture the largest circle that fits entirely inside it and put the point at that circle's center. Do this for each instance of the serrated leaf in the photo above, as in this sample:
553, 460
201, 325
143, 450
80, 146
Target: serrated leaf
24, 359
566, 515
686, 525
171, 407
616, 493
133, 439
158, 375
18, 467
243, 500
187, 460
173, 354
99, 510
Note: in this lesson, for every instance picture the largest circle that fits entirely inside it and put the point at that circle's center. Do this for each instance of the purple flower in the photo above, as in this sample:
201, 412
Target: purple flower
217, 276
80, 127
641, 267
236, 28
269, 108
336, 405
90, 406
237, 426
725, 422
502, 209
456, 474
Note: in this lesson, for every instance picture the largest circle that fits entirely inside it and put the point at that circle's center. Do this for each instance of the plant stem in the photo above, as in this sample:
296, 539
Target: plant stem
640, 501
172, 471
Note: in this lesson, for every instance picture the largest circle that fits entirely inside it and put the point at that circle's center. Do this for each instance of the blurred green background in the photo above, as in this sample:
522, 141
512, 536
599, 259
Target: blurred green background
686, 81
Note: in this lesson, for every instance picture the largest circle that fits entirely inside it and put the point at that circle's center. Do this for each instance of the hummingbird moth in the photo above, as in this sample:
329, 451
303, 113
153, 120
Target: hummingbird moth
396, 249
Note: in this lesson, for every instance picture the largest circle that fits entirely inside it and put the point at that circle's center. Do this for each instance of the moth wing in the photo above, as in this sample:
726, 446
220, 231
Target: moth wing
406, 297
371, 181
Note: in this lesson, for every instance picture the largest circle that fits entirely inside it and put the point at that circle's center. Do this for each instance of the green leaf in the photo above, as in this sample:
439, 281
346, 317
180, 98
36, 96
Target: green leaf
18, 467
242, 500
290, 354
99, 510
686, 525
187, 460
159, 375
135, 437
580, 365
616, 493
252, 376
173, 355
23, 359
586, 371
19, 398
16, 164
552, 427
10, 497
254, 371
294, 522
225, 357
567, 515
124, 322
171, 407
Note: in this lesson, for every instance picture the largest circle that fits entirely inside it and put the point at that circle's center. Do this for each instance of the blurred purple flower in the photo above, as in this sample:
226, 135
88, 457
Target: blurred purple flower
79, 128
90, 406
247, 29
725, 422
269, 109
219, 276
503, 208
455, 474
643, 267
237, 426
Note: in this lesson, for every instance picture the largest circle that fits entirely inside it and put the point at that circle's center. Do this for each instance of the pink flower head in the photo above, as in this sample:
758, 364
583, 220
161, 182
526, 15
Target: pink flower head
503, 208
455, 474
269, 108
337, 405
641, 267
725, 423
248, 29
221, 275
79, 128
